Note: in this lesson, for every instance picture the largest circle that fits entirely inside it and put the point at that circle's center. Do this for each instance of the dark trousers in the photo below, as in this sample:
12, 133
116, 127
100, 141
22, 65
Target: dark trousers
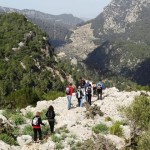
89, 98
35, 133
79, 102
51, 124
99, 95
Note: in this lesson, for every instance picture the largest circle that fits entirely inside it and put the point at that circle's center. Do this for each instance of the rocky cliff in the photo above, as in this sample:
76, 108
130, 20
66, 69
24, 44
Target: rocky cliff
116, 41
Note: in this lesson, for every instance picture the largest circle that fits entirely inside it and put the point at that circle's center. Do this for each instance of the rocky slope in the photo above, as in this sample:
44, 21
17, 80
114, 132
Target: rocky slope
76, 122
115, 41
56, 26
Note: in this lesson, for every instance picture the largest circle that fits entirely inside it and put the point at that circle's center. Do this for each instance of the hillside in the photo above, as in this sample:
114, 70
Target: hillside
56, 26
80, 127
28, 66
116, 42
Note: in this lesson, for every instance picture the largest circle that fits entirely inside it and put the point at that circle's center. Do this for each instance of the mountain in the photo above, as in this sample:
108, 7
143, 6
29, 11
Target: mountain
56, 26
116, 41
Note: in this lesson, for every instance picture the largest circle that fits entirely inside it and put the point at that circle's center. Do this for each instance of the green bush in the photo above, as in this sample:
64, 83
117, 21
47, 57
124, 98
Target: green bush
116, 129
71, 142
45, 129
55, 138
18, 119
27, 130
62, 130
98, 143
29, 115
100, 128
42, 114
108, 119
52, 95
8, 113
139, 112
8, 139
59, 146
144, 141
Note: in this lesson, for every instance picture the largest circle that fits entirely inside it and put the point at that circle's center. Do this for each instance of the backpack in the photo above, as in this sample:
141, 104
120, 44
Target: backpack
67, 90
50, 115
78, 94
99, 87
35, 121
89, 90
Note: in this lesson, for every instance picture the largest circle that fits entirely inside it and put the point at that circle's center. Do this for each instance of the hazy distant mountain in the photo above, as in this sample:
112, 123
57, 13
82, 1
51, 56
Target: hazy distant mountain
56, 26
116, 41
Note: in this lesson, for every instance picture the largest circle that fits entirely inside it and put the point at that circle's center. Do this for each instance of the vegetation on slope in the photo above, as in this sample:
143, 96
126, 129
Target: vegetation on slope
27, 62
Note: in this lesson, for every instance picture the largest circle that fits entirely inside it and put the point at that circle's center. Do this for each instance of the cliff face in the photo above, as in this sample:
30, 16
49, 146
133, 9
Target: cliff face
120, 18
117, 40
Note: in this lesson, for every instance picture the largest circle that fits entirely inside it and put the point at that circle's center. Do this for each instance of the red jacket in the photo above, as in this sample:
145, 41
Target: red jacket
71, 90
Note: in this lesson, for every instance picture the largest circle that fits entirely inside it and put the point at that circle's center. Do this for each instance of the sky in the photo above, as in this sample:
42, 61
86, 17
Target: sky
79, 8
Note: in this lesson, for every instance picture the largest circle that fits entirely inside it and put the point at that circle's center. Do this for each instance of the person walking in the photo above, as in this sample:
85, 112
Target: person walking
69, 91
89, 93
50, 114
99, 91
36, 122
79, 95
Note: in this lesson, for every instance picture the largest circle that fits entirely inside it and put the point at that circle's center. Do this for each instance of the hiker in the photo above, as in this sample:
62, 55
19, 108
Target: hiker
50, 114
94, 89
69, 91
36, 122
82, 83
99, 91
86, 86
79, 95
89, 93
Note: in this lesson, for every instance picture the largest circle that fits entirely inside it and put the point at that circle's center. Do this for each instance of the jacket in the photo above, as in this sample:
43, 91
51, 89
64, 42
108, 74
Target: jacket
50, 115
39, 122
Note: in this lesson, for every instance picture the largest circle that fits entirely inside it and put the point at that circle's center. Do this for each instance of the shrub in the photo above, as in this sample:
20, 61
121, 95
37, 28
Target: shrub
138, 112
45, 129
71, 142
52, 95
8, 113
62, 130
108, 119
59, 146
7, 139
144, 141
42, 114
116, 129
18, 119
27, 130
29, 115
100, 128
98, 143
55, 138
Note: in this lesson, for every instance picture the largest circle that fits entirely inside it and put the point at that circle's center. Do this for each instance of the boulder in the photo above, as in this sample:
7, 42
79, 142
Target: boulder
24, 139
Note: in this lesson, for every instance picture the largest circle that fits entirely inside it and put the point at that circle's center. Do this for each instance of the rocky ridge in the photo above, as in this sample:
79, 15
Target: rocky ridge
75, 120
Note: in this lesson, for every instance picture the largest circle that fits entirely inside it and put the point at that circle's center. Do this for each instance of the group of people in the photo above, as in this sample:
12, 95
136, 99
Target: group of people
37, 122
84, 92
